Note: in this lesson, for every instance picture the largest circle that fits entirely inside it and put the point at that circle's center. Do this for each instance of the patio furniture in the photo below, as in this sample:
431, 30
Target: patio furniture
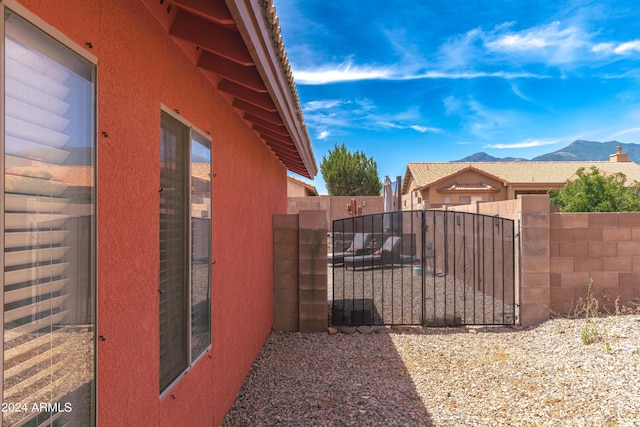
358, 245
389, 253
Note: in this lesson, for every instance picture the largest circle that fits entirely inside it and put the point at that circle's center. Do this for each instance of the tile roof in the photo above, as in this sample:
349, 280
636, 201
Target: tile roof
306, 185
515, 172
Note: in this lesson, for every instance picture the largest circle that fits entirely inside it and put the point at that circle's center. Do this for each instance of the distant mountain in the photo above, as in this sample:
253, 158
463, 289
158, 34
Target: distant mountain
484, 157
591, 150
576, 151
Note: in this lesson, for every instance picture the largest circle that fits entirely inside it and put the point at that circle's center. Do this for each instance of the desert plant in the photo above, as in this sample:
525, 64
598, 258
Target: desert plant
590, 332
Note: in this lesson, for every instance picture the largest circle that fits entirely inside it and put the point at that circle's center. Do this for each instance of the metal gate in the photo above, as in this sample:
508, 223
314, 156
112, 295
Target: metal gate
430, 267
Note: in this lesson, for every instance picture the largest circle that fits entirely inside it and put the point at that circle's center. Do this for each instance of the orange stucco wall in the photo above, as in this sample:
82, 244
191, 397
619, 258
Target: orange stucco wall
140, 68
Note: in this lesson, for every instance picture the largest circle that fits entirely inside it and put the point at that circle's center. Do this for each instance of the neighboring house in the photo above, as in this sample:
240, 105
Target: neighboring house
437, 184
138, 281
298, 188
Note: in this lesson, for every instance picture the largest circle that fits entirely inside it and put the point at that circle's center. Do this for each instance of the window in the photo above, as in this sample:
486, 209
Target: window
185, 248
48, 229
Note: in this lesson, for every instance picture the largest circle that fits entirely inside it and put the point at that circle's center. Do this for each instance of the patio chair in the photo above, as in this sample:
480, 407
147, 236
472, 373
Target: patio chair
359, 243
389, 253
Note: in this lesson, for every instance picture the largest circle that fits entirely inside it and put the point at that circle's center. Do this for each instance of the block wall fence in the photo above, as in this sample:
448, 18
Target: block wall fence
335, 207
300, 272
560, 253
557, 256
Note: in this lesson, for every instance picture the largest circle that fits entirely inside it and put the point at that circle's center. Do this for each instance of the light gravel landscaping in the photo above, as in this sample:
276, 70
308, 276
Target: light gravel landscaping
465, 376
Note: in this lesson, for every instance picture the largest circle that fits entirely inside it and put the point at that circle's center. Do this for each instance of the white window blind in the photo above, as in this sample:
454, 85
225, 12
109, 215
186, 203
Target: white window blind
48, 228
174, 226
185, 248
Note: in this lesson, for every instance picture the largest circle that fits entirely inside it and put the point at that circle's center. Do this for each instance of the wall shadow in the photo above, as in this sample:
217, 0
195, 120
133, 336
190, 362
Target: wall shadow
321, 379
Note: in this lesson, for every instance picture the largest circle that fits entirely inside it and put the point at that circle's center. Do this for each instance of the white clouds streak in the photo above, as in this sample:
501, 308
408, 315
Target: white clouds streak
339, 74
627, 48
483, 54
525, 144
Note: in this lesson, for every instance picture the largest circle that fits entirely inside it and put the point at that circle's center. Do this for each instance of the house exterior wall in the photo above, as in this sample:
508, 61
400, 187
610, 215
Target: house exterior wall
468, 177
139, 69
514, 190
298, 189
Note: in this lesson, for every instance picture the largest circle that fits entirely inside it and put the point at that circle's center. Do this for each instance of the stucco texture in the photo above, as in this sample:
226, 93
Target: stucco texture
139, 69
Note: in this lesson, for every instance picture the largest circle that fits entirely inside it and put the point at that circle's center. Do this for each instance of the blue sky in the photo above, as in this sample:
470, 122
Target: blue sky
438, 80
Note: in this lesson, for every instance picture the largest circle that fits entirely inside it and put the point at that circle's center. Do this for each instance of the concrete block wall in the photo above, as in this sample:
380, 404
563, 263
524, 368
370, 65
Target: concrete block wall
534, 259
312, 271
300, 272
561, 252
285, 273
335, 206
603, 248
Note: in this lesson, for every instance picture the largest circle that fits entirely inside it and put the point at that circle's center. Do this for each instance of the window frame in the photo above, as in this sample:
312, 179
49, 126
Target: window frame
63, 40
191, 360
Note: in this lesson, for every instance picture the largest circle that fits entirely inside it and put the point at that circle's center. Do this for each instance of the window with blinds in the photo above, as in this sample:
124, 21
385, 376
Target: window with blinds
185, 248
49, 237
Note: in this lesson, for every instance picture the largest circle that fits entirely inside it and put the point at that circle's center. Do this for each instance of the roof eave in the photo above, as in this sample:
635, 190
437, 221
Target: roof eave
253, 28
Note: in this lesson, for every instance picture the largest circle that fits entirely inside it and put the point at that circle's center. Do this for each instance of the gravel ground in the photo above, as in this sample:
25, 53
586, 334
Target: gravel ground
393, 296
467, 376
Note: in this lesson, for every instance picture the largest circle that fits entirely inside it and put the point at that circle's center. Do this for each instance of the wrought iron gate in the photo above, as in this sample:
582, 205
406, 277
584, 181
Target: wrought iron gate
431, 267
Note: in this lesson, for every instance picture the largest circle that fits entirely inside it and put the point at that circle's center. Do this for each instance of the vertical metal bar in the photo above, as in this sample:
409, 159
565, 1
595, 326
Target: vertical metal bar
373, 284
455, 264
423, 264
484, 264
513, 270
353, 276
412, 251
435, 253
493, 271
446, 263
333, 271
475, 264
382, 311
503, 269
393, 288
464, 268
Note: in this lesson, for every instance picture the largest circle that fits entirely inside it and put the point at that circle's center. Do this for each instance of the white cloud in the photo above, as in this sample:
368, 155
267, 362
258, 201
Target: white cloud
550, 43
629, 131
472, 75
605, 48
323, 134
610, 48
525, 144
628, 47
337, 74
555, 44
417, 128
325, 104
425, 129
516, 90
536, 38
345, 72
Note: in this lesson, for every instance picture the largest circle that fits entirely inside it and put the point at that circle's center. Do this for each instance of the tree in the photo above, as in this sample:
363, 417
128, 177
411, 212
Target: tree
350, 174
593, 192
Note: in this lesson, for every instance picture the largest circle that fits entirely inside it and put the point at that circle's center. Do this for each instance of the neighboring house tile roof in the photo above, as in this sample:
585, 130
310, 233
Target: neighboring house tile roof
426, 174
311, 189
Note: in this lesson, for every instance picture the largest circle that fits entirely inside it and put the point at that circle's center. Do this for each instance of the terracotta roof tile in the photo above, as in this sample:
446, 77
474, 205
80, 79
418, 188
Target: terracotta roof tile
518, 172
